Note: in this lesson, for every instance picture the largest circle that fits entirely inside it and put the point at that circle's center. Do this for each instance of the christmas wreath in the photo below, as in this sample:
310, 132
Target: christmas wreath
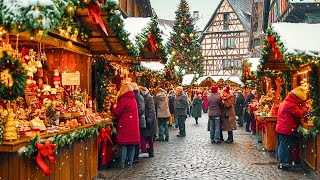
13, 77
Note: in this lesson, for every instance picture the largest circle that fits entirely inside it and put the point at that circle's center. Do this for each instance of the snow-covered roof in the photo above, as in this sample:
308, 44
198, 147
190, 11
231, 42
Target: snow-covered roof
234, 79
187, 79
153, 66
201, 23
254, 63
299, 37
201, 79
165, 32
135, 25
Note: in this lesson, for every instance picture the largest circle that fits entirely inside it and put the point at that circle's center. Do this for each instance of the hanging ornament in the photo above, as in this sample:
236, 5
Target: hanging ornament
193, 41
191, 35
173, 53
187, 22
180, 25
198, 44
188, 41
172, 42
182, 58
194, 58
182, 35
188, 50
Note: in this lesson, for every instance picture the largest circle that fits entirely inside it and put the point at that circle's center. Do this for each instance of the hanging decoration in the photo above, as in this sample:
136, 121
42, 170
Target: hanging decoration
104, 138
45, 151
94, 15
13, 77
151, 41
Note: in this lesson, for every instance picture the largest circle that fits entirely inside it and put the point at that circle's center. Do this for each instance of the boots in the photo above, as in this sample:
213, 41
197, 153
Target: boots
196, 120
150, 152
160, 138
230, 137
167, 138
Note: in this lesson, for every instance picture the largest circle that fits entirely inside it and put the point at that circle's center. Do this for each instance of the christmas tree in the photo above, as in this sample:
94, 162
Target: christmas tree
183, 45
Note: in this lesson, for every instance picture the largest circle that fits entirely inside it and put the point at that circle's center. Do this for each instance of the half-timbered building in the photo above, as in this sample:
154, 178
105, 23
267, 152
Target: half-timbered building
225, 39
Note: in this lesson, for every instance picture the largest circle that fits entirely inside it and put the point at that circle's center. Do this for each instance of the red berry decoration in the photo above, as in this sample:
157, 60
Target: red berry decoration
13, 66
3, 67
10, 93
187, 22
18, 70
182, 58
36, 31
188, 41
172, 42
104, 76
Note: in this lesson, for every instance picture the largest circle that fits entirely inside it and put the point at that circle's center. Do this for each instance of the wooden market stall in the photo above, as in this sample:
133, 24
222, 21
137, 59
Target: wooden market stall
58, 60
288, 64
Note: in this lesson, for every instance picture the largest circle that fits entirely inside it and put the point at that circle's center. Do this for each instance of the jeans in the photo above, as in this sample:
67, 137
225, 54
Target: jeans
240, 120
182, 124
176, 122
127, 151
136, 152
144, 141
284, 148
214, 127
163, 127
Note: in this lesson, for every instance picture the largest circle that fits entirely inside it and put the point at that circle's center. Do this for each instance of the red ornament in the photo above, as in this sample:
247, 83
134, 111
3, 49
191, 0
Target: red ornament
18, 70
13, 66
3, 67
182, 58
36, 31
106, 67
104, 76
172, 42
188, 41
187, 22
10, 93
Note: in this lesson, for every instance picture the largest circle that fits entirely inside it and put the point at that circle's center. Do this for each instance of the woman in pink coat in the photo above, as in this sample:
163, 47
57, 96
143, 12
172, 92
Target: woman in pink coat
128, 134
205, 102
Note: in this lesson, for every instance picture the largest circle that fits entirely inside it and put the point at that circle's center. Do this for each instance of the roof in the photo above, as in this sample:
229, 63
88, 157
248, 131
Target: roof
166, 30
299, 38
234, 79
187, 79
243, 10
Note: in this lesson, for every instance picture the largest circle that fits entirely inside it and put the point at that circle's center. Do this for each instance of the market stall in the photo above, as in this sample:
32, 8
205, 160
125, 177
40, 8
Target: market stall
287, 64
49, 119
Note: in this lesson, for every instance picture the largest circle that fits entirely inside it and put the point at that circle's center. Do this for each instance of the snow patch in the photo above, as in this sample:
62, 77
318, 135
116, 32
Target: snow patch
135, 26
187, 79
254, 63
166, 31
153, 66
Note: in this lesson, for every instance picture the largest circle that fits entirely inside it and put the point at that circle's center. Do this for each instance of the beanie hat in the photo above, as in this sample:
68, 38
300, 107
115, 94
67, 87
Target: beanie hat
214, 89
227, 90
300, 92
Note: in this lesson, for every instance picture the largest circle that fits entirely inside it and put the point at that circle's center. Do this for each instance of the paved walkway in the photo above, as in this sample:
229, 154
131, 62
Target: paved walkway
194, 157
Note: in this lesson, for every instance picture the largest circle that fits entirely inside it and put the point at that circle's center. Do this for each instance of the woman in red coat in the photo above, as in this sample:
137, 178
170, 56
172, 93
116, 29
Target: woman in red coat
128, 134
205, 101
291, 110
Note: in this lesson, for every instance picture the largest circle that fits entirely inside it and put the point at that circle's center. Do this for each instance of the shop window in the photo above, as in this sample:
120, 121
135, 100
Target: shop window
225, 21
228, 43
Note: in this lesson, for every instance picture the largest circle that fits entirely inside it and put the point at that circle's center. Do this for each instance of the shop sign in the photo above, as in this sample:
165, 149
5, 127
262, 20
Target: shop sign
71, 79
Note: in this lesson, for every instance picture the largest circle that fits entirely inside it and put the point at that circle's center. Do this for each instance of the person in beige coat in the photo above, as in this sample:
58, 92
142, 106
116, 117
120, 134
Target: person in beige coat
229, 115
163, 113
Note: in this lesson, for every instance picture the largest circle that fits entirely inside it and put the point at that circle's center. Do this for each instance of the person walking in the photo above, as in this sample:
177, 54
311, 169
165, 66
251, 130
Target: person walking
291, 110
229, 117
172, 97
214, 113
141, 113
180, 110
205, 101
239, 107
196, 110
149, 132
126, 113
163, 114
247, 115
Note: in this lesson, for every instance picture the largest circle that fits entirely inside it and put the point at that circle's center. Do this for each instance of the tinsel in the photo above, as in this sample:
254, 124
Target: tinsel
65, 139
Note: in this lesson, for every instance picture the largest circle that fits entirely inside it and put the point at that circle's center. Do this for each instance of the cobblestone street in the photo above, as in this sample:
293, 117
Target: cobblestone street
194, 157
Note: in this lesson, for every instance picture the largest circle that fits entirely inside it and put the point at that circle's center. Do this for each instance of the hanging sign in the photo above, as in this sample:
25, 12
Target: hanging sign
71, 79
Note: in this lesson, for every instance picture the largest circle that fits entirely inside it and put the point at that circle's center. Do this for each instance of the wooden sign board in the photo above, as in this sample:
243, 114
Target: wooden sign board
71, 79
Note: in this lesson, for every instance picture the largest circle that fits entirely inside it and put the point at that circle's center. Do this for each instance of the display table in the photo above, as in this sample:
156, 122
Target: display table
78, 161
269, 137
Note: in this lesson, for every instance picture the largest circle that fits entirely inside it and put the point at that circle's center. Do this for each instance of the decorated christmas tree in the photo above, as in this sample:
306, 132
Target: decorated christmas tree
183, 44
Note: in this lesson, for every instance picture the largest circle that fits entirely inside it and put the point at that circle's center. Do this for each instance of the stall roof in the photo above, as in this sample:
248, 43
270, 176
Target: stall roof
153, 65
299, 38
254, 63
187, 79
234, 79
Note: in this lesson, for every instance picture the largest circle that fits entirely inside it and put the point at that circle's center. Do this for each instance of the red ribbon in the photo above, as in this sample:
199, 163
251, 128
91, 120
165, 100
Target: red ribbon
272, 43
151, 40
94, 15
45, 151
103, 139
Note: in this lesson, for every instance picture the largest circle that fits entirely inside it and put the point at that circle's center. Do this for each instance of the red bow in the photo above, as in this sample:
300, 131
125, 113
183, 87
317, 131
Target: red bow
94, 15
104, 138
45, 150
151, 40
272, 42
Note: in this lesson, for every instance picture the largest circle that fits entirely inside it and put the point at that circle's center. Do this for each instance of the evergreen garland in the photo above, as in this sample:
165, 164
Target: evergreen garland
65, 139
142, 39
104, 72
15, 69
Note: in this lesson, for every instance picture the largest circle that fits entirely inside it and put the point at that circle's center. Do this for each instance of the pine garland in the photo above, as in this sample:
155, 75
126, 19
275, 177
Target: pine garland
104, 72
62, 140
15, 69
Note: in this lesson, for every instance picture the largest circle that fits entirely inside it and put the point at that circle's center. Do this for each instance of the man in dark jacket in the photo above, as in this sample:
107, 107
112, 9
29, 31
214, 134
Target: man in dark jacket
214, 113
180, 110
247, 116
141, 112
239, 107
172, 97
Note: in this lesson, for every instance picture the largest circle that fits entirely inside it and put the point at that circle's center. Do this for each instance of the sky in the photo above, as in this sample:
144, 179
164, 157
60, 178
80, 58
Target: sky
165, 8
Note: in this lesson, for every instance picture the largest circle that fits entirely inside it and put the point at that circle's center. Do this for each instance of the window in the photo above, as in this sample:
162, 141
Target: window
232, 64
256, 42
225, 21
228, 43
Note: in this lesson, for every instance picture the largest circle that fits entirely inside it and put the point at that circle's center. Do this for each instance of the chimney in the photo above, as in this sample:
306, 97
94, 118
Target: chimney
195, 15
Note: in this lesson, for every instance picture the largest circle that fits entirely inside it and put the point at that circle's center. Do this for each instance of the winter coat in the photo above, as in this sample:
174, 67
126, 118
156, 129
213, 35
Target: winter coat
128, 120
141, 108
196, 110
150, 114
171, 103
214, 104
238, 107
162, 105
205, 102
249, 99
181, 105
229, 117
291, 110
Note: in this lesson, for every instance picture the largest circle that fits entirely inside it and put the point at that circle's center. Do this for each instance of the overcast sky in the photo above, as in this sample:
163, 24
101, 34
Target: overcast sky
165, 8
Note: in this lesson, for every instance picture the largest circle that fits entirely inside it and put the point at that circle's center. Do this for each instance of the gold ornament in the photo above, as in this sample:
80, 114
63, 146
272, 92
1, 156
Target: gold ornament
191, 35
182, 35
173, 53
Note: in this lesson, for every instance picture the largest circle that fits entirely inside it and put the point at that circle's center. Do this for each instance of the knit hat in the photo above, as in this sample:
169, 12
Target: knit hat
227, 90
300, 92
214, 89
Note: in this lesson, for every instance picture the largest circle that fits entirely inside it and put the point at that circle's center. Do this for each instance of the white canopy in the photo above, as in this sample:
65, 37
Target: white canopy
153, 65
